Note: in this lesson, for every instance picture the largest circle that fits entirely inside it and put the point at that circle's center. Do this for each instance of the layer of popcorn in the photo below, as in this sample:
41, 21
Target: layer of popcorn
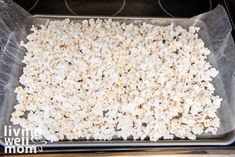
101, 79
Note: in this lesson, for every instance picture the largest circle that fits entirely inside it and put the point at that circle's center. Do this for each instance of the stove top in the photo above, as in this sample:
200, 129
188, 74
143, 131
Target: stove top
143, 8
160, 8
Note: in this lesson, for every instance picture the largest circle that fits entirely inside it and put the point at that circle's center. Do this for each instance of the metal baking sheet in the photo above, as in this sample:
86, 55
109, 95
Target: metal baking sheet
203, 140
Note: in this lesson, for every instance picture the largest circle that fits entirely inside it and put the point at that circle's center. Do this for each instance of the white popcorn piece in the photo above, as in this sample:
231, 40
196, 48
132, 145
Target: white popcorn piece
102, 79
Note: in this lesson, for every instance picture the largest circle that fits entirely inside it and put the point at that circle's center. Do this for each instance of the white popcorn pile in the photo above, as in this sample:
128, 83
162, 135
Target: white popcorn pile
102, 79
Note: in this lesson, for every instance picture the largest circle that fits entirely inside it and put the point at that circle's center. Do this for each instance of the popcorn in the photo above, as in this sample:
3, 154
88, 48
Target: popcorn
102, 79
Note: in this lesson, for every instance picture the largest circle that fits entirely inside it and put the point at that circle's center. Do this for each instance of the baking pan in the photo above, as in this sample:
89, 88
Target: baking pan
202, 140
